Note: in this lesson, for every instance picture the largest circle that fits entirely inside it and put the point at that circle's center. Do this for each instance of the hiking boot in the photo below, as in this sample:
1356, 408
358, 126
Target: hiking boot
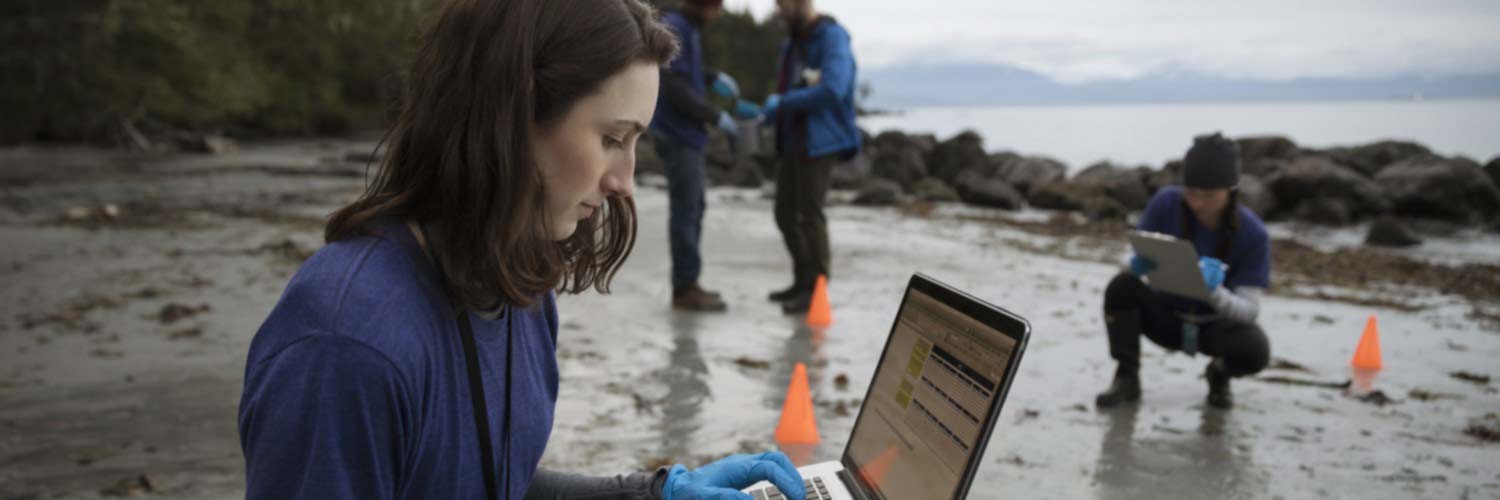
785, 294
1218, 386
798, 304
1126, 388
693, 298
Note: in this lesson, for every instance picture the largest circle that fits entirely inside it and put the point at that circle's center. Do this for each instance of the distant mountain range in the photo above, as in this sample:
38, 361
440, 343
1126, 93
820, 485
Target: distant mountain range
982, 84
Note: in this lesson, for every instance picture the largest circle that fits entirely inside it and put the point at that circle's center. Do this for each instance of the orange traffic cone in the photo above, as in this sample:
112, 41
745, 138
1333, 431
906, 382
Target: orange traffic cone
1367, 355
820, 313
798, 425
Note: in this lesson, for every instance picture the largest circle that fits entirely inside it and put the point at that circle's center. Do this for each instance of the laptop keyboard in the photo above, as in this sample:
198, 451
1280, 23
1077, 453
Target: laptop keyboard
816, 490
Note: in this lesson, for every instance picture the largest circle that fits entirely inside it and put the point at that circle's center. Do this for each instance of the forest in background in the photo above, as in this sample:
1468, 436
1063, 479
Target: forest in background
107, 71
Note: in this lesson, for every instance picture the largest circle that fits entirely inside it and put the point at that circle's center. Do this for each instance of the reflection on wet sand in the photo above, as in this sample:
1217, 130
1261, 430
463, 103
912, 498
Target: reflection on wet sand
687, 388
1167, 462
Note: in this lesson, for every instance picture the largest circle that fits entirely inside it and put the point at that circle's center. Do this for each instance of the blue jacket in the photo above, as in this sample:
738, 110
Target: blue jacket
829, 101
677, 123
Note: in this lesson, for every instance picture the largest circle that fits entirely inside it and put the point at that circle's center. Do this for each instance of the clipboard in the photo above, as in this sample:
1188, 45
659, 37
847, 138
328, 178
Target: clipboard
1176, 261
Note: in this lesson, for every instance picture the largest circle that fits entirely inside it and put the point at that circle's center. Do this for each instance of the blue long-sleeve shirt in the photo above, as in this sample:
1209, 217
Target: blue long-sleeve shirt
356, 387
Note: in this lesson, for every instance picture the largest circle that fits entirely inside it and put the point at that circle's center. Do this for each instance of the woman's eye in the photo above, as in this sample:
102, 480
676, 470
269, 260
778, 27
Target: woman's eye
613, 143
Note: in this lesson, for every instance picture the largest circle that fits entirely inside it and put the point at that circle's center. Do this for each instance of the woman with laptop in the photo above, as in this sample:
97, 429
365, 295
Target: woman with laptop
414, 356
1235, 266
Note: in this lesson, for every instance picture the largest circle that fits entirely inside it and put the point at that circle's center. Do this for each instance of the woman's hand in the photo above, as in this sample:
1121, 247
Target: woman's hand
1213, 272
1139, 266
722, 480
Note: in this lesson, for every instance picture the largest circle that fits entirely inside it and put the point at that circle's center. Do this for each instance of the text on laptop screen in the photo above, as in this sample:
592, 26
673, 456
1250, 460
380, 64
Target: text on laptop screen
929, 401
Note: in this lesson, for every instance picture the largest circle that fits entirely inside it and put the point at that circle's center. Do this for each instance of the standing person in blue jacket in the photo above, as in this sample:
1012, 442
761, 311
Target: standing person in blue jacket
414, 357
813, 112
682, 113
1236, 266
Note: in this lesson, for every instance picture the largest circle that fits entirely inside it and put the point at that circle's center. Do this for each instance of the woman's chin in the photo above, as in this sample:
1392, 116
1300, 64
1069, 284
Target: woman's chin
564, 230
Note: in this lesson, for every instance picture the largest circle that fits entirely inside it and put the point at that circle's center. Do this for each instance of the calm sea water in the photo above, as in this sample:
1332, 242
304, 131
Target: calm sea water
1154, 133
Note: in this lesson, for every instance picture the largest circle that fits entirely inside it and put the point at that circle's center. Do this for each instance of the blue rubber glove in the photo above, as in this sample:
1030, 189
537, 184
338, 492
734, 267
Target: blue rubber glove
725, 85
1139, 266
772, 104
723, 480
1213, 272
726, 124
746, 110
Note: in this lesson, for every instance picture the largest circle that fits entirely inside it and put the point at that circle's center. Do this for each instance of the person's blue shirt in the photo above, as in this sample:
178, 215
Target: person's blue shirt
689, 65
356, 385
1249, 256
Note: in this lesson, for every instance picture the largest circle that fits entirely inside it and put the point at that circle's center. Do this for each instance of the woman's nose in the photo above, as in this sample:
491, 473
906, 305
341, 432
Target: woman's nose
620, 181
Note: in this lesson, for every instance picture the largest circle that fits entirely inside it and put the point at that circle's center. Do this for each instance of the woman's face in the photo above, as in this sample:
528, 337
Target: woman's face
1207, 204
589, 154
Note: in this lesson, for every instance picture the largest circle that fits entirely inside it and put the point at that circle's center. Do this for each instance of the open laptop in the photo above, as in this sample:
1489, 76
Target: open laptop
947, 366
1176, 261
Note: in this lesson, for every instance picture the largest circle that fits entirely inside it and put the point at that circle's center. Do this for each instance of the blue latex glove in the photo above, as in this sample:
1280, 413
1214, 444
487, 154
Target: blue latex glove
772, 104
1139, 266
1213, 272
726, 124
722, 480
725, 85
746, 110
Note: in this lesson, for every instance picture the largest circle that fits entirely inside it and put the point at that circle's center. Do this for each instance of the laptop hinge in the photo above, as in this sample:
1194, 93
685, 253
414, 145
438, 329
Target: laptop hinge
852, 485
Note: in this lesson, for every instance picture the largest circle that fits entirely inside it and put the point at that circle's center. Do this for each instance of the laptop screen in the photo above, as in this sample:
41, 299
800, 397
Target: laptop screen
929, 401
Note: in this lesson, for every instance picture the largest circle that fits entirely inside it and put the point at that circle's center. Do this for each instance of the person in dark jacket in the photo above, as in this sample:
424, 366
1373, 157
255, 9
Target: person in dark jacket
679, 130
1236, 266
813, 115
415, 356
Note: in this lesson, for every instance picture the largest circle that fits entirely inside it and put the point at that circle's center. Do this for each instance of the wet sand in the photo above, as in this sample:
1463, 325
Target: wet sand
123, 332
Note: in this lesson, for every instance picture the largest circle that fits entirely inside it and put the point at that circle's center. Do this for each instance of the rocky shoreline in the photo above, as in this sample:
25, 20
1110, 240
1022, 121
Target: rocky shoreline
1405, 189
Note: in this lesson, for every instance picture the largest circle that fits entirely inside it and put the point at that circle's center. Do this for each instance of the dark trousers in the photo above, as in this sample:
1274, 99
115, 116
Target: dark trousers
801, 189
1131, 309
686, 202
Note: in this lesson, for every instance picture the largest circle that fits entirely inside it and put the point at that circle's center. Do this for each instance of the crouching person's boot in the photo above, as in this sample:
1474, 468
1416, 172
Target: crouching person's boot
1218, 385
1126, 388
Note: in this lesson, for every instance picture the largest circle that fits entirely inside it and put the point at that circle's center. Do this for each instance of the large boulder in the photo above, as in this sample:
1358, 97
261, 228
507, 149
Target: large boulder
744, 173
850, 174
1125, 185
900, 162
1071, 196
931, 189
1370, 159
878, 192
1493, 169
976, 189
1388, 231
952, 157
1325, 211
1267, 147
1026, 172
1169, 175
1255, 194
1452, 189
1319, 178
1264, 155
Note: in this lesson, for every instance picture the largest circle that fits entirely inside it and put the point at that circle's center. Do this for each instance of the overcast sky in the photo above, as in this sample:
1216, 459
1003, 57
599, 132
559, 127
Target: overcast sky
1088, 40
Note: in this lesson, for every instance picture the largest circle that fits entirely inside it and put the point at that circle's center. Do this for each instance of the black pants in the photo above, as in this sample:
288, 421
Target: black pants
801, 189
1131, 308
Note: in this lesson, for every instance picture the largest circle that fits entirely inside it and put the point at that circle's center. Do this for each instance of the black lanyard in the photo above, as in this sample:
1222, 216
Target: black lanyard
476, 388
481, 412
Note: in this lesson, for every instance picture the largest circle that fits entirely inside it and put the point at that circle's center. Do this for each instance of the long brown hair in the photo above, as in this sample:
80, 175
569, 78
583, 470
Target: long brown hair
460, 160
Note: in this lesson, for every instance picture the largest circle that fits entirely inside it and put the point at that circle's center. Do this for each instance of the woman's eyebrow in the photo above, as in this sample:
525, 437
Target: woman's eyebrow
635, 126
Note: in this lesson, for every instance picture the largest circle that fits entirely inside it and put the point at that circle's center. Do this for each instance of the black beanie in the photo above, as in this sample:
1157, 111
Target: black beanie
1212, 163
